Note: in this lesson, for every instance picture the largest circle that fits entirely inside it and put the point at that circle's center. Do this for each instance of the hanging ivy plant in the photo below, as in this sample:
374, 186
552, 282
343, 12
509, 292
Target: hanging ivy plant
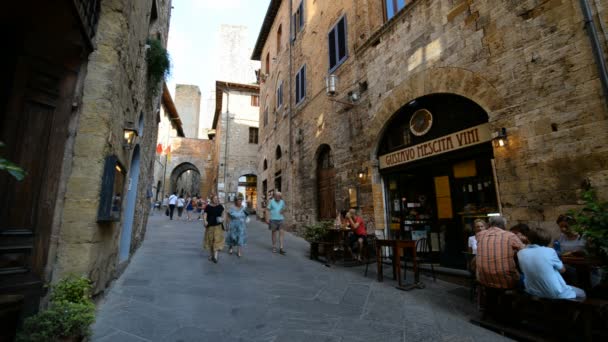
159, 64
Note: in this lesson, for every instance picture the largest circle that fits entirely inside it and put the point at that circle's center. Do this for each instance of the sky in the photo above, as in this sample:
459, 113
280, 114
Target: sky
193, 38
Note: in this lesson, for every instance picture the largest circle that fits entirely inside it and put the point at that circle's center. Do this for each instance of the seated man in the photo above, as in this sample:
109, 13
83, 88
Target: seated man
495, 259
542, 267
360, 232
521, 230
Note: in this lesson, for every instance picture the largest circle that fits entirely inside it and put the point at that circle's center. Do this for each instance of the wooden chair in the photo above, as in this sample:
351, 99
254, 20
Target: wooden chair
370, 249
423, 254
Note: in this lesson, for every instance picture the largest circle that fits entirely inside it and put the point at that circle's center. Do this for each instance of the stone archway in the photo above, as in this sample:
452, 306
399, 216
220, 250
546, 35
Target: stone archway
185, 178
430, 81
433, 81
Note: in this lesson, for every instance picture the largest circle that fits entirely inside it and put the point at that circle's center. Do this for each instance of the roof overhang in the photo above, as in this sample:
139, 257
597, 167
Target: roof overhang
221, 87
173, 115
271, 14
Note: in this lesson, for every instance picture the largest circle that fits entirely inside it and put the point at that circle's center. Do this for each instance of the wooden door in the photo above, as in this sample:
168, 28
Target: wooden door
326, 186
35, 130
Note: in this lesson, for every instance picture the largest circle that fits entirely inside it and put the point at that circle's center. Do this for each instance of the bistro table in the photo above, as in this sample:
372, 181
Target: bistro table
583, 266
398, 246
335, 242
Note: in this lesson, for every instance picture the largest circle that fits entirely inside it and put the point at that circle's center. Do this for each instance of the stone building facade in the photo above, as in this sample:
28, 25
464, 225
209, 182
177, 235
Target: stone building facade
182, 164
235, 126
188, 100
80, 84
409, 76
169, 126
194, 155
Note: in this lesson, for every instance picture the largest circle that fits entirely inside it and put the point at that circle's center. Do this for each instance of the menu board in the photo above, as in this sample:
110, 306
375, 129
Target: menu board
444, 197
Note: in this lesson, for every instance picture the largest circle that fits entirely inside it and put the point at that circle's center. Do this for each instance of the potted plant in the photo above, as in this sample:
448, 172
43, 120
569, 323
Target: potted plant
316, 233
68, 317
591, 222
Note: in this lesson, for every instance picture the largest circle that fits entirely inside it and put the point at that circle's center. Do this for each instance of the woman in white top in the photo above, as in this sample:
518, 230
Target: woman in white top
180, 206
479, 226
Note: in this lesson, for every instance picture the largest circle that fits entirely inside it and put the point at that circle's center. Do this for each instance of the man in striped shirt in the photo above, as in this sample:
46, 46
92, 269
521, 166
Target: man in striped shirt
496, 249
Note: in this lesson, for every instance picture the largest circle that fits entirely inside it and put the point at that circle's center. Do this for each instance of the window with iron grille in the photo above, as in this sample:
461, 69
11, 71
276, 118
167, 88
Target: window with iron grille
337, 44
253, 135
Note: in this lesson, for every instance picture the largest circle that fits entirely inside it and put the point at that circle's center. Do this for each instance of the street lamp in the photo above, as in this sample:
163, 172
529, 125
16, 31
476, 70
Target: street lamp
129, 135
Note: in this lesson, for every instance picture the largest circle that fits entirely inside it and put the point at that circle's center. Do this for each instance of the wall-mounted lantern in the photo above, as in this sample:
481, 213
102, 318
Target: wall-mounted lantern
331, 85
362, 174
129, 135
500, 137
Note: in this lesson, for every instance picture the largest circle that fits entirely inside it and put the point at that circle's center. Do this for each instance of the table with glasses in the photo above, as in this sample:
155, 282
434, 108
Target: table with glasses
398, 246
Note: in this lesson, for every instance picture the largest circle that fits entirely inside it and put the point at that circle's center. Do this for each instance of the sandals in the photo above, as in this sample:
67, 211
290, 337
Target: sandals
274, 250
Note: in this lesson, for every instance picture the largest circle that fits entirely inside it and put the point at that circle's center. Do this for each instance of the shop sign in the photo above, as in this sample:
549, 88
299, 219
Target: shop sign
448, 143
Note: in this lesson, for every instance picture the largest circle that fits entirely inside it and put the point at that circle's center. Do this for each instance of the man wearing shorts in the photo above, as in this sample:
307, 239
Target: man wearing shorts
275, 220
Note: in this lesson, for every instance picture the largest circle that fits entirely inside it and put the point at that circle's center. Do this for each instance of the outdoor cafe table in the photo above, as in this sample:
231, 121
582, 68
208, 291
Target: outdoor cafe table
398, 246
583, 267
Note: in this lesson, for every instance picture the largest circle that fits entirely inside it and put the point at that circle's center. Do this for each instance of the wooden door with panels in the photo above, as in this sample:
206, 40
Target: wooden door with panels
326, 185
34, 129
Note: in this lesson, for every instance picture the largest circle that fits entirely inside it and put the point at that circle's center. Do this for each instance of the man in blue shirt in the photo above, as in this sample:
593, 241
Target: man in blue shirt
275, 219
542, 270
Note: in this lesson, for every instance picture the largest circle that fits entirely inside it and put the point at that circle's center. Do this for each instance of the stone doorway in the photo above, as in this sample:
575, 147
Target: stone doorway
326, 184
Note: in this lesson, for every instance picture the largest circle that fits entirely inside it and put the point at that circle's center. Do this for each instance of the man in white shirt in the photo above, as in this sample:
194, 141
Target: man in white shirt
172, 203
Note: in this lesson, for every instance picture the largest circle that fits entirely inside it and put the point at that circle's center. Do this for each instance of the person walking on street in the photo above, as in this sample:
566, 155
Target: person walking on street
275, 219
236, 221
181, 202
214, 232
189, 207
172, 203
199, 208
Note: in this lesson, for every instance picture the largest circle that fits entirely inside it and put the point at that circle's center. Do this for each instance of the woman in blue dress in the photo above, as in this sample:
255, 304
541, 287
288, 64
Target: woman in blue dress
237, 236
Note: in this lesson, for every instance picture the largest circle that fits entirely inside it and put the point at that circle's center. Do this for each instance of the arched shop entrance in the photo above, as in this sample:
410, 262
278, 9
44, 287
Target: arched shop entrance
248, 190
186, 179
436, 160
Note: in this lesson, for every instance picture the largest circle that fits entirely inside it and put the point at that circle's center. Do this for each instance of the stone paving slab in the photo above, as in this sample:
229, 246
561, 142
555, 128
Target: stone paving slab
171, 292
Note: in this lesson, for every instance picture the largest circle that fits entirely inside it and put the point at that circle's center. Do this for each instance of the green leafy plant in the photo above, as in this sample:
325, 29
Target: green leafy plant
72, 289
11, 167
69, 314
591, 221
159, 64
317, 231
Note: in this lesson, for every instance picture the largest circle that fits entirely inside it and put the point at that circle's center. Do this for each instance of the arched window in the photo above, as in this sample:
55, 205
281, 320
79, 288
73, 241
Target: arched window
265, 164
140, 125
278, 153
325, 159
279, 37
268, 63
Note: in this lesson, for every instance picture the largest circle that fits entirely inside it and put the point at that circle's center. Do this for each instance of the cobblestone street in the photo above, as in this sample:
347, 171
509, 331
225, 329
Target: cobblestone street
171, 292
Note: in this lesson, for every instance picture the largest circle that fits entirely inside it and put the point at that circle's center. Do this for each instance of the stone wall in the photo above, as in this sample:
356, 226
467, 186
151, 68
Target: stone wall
188, 103
185, 152
529, 65
236, 155
115, 95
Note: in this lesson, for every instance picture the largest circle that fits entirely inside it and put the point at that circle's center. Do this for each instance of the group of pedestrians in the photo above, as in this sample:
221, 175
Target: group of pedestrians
193, 206
234, 223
